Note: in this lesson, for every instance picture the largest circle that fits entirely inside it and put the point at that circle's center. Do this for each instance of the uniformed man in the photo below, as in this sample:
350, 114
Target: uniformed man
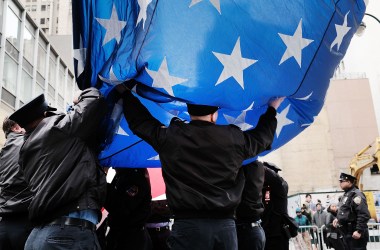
353, 214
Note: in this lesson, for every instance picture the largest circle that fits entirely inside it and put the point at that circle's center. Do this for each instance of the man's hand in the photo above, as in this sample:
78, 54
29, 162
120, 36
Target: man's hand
275, 103
356, 235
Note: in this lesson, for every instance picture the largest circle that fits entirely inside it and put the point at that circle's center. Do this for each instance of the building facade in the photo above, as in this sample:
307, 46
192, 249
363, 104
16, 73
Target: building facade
54, 17
29, 64
313, 161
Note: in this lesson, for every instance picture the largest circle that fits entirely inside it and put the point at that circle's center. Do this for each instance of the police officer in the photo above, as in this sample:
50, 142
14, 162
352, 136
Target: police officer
353, 214
275, 200
248, 224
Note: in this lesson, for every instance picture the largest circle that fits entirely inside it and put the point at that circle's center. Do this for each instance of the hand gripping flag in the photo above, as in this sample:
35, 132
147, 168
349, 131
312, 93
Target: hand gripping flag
235, 54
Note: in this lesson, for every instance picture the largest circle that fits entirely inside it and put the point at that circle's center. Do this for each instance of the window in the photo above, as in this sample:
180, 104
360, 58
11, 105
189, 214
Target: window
41, 59
52, 72
26, 88
42, 21
69, 88
28, 44
61, 79
43, 7
10, 74
34, 7
12, 29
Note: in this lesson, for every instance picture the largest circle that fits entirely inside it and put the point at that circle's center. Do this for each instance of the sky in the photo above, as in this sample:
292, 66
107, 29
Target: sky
363, 54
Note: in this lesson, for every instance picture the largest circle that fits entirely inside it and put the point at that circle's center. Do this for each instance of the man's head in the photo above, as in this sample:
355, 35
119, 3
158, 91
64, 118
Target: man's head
308, 197
298, 211
203, 112
319, 206
346, 181
29, 115
11, 126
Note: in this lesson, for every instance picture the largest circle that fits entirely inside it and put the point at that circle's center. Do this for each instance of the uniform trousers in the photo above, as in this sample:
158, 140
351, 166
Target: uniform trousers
352, 244
51, 237
13, 232
203, 234
251, 236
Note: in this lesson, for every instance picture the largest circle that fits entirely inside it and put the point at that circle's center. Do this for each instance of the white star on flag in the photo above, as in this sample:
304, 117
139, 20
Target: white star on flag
306, 97
113, 26
215, 3
162, 78
121, 131
294, 45
142, 13
282, 120
80, 56
154, 158
234, 65
239, 121
341, 31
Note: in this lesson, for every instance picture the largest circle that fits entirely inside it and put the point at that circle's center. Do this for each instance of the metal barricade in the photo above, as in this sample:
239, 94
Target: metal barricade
308, 238
374, 236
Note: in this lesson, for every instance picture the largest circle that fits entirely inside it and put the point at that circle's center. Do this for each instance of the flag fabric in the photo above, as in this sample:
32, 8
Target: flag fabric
235, 54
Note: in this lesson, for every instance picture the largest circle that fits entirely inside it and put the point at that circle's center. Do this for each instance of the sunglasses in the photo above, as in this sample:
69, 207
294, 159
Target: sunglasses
342, 181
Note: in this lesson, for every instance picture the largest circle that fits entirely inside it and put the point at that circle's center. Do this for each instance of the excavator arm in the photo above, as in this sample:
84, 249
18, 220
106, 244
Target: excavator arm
363, 160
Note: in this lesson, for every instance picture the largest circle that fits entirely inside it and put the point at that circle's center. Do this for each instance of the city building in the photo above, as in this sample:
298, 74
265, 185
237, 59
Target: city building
313, 161
54, 17
29, 63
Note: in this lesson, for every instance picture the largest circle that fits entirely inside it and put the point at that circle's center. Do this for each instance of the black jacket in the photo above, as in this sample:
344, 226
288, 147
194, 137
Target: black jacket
200, 160
251, 206
353, 213
14, 193
128, 198
60, 164
277, 206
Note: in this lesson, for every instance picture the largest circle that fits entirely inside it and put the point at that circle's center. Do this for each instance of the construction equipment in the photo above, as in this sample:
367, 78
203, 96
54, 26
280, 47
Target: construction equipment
363, 160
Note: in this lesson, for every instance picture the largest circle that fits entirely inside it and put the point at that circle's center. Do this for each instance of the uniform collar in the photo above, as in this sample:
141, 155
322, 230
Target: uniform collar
201, 123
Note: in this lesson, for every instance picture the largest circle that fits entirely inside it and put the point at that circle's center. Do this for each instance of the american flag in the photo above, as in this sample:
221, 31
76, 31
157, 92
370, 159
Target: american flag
235, 54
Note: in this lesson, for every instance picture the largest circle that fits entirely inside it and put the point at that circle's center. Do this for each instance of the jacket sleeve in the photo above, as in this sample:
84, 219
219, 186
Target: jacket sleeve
261, 137
87, 115
362, 212
141, 122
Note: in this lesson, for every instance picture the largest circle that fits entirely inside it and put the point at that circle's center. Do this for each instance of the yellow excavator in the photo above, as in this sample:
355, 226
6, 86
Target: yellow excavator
363, 160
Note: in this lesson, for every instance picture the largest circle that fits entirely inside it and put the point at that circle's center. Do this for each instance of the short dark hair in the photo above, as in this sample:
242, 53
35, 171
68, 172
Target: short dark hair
8, 125
308, 195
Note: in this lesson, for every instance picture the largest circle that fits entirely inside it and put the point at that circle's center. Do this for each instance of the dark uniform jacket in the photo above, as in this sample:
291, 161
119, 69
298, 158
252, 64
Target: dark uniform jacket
353, 214
200, 160
251, 206
128, 198
277, 205
59, 163
14, 193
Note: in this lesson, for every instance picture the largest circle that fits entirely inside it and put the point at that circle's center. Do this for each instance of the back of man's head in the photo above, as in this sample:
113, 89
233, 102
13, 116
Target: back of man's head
7, 126
201, 110
31, 112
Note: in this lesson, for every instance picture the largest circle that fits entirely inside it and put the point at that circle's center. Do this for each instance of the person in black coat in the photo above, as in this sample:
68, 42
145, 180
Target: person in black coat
275, 199
15, 195
251, 235
128, 203
200, 165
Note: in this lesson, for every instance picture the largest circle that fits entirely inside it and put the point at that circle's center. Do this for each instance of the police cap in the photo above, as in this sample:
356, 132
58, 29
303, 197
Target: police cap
346, 177
272, 166
201, 110
31, 111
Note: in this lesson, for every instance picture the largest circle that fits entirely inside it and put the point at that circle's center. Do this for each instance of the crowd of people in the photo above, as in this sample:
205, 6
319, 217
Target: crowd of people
53, 192
342, 224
